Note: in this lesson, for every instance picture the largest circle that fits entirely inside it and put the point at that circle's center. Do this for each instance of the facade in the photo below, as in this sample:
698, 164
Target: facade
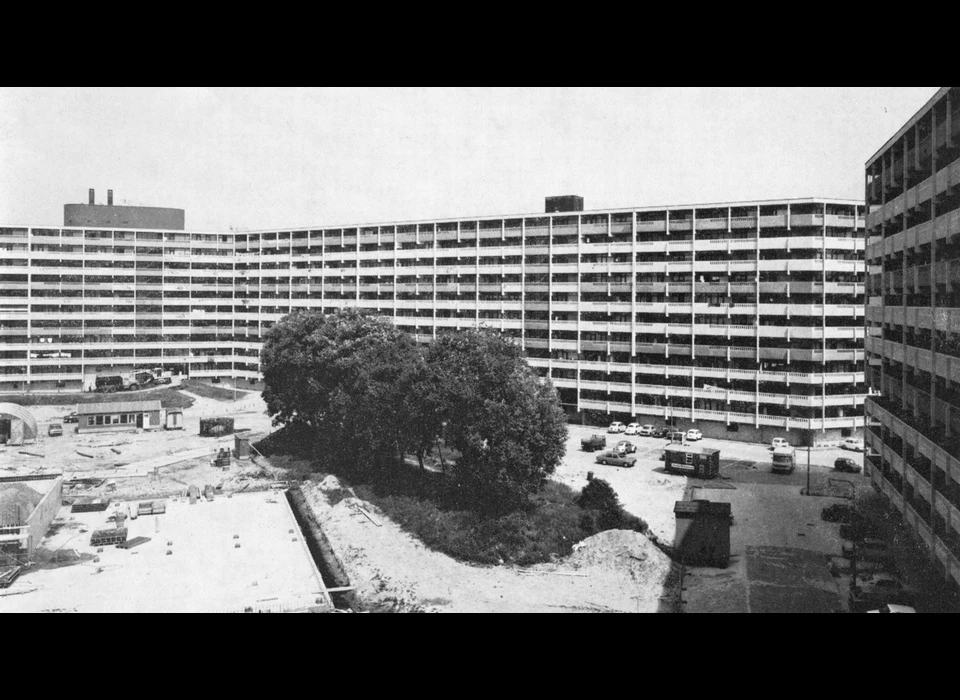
913, 316
745, 320
118, 417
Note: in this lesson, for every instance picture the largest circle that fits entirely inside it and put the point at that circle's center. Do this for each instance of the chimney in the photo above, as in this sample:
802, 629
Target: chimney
93, 197
109, 198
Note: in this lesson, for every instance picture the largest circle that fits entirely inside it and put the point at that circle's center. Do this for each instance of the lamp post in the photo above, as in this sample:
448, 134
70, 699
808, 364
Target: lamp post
809, 460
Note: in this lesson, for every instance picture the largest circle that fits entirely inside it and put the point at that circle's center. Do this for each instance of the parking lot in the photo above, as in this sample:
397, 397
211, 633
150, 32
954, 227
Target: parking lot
782, 549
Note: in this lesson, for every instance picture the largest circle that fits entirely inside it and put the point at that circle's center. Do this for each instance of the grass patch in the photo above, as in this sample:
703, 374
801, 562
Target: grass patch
169, 398
430, 507
211, 391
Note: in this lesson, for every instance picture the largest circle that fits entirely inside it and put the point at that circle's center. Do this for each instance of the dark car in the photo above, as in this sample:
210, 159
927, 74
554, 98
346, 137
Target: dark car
847, 466
617, 459
72, 418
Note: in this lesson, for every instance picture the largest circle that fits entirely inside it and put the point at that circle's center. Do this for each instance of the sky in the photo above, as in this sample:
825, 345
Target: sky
253, 158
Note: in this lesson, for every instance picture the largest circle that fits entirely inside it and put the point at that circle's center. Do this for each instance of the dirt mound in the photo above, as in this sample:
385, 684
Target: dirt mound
622, 551
17, 502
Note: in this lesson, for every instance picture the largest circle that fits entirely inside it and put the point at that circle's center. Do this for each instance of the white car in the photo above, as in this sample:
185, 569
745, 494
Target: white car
780, 444
617, 429
853, 445
647, 431
893, 610
633, 429
694, 435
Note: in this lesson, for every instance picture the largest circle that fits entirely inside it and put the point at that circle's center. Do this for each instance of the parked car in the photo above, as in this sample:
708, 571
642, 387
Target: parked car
847, 466
779, 444
626, 448
893, 610
617, 429
663, 433
676, 437
72, 418
648, 431
880, 590
594, 443
633, 429
55, 430
164, 381
853, 445
616, 459
694, 435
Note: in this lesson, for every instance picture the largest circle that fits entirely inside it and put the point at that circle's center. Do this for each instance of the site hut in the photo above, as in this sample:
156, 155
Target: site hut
173, 419
698, 462
117, 417
17, 426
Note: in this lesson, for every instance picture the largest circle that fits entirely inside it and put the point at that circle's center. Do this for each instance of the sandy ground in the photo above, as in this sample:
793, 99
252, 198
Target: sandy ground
129, 458
270, 570
614, 572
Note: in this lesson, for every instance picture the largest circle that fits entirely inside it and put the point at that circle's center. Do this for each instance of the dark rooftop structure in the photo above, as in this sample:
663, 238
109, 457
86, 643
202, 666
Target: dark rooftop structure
93, 215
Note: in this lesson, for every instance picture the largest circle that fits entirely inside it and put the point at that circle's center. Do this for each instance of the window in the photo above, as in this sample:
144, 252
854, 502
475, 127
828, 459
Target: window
690, 459
123, 420
91, 421
116, 420
99, 420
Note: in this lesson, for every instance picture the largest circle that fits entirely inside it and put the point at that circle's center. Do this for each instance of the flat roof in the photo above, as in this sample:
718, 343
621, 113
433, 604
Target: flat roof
92, 409
496, 217
228, 555
941, 93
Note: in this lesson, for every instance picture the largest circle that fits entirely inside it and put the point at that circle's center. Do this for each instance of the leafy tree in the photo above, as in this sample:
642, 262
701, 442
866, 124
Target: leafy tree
348, 377
506, 424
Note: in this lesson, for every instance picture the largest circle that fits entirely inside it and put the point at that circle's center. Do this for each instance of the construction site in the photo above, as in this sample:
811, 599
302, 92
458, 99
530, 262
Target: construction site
146, 521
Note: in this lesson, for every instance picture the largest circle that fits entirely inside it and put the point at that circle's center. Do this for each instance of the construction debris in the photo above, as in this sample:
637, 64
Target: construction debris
366, 514
84, 454
32, 454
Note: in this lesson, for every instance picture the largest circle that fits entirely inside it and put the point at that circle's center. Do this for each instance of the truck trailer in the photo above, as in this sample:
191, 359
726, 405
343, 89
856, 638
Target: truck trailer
784, 460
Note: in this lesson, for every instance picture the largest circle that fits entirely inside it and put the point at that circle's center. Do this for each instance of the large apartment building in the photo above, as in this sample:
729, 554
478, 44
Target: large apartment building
913, 315
746, 319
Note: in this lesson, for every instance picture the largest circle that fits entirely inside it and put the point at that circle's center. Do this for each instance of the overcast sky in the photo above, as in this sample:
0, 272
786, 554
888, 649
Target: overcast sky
275, 157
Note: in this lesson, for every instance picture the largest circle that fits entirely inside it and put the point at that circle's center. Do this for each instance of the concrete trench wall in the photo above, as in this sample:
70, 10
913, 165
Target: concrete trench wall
331, 568
43, 516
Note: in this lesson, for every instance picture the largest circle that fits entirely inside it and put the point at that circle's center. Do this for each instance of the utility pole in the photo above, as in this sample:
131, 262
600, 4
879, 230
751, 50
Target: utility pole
809, 460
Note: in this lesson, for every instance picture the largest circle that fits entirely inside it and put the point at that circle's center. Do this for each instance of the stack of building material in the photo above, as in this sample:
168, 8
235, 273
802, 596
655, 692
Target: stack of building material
209, 492
152, 508
136, 542
108, 538
90, 505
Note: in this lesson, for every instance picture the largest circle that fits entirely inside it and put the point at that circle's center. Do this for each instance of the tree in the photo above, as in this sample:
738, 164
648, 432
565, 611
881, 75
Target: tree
504, 421
347, 378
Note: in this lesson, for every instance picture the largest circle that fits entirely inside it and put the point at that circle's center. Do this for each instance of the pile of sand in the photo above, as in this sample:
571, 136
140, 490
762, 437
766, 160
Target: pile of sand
625, 552
17, 502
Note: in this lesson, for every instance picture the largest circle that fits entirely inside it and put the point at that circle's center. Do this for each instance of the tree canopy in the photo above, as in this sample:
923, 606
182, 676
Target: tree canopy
370, 396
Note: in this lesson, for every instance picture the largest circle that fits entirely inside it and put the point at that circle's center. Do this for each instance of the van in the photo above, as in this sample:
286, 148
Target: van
780, 444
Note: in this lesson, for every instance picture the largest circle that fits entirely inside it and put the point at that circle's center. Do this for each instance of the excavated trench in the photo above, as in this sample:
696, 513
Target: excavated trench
330, 566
